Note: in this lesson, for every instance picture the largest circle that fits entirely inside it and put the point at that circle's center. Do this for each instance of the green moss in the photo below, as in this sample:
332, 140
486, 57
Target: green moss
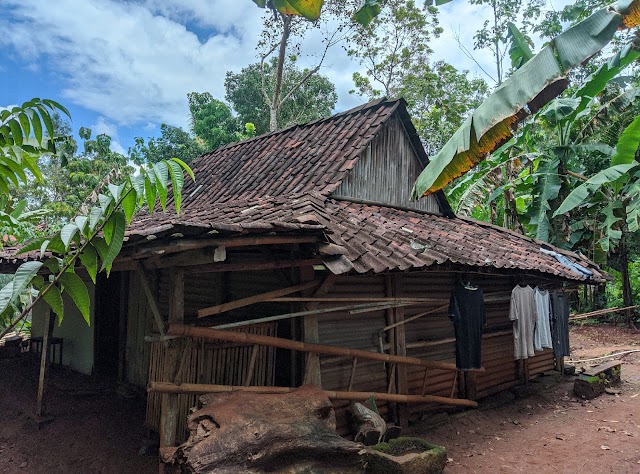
405, 444
426, 458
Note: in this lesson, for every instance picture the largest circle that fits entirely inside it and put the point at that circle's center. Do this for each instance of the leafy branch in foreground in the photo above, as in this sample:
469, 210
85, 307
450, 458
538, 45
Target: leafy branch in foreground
94, 238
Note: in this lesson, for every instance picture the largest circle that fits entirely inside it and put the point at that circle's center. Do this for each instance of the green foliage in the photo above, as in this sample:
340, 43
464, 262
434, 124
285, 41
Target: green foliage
392, 46
212, 121
313, 99
173, 142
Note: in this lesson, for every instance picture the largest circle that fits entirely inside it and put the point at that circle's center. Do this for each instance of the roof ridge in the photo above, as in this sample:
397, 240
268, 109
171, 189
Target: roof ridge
359, 108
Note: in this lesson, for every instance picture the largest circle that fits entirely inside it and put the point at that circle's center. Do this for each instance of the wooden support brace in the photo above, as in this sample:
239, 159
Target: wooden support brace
151, 300
453, 385
424, 381
392, 378
352, 377
252, 364
241, 303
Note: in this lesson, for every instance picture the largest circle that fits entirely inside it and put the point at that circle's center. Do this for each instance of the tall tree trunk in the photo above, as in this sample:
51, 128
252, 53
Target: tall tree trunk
274, 106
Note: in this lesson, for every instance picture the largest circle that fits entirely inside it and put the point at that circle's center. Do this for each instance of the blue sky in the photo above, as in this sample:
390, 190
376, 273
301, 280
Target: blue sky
125, 67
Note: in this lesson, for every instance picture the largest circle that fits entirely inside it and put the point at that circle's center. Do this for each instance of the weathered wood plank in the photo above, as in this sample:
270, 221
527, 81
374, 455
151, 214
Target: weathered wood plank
241, 303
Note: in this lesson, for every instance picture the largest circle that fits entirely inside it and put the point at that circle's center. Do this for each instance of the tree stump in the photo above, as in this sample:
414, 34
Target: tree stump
593, 382
249, 432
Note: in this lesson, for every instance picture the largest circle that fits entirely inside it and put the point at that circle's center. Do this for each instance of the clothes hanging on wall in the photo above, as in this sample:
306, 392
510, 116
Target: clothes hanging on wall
522, 312
560, 323
466, 310
542, 337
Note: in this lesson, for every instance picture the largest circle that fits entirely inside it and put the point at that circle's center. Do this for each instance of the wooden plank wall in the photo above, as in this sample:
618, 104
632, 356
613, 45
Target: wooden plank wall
430, 337
357, 331
387, 170
140, 323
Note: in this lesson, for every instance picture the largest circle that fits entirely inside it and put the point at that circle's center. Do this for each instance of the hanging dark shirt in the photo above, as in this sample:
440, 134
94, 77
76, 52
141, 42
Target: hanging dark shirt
466, 310
560, 323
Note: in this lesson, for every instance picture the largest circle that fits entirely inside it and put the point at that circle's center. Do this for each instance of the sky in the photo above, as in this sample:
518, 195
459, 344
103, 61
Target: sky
125, 67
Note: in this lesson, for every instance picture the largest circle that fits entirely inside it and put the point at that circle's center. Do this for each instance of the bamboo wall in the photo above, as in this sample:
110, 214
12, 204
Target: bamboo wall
209, 363
387, 171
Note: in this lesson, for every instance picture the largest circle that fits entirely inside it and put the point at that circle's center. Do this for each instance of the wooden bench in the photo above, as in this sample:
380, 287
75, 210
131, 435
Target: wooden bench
595, 380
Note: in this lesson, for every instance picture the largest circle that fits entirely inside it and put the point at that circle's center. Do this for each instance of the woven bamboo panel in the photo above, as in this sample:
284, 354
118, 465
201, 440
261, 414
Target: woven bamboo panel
210, 363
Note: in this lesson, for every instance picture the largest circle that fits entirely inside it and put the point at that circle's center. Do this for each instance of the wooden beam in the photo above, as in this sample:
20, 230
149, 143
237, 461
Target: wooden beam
312, 371
146, 286
44, 362
192, 388
183, 245
241, 303
295, 299
176, 297
206, 266
298, 314
278, 342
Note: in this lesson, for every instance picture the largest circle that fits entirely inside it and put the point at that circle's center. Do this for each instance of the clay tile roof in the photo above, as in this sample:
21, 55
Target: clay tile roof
424, 239
257, 176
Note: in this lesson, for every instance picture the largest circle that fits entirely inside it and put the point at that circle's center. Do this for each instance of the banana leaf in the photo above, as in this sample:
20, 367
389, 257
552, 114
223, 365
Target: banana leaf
528, 89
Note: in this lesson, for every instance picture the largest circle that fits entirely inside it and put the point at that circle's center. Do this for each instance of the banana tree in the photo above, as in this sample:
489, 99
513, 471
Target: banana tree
530, 88
608, 204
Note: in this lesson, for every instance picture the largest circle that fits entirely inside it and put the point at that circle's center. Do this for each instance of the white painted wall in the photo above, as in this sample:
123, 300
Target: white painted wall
78, 337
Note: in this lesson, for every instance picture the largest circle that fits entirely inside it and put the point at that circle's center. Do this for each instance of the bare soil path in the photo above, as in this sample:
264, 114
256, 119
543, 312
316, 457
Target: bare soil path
544, 429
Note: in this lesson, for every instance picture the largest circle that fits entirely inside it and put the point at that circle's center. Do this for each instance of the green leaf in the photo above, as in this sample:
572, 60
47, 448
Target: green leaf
16, 132
177, 183
81, 222
54, 299
89, 259
369, 9
579, 195
150, 191
523, 93
33, 244
21, 279
94, 217
185, 167
558, 110
108, 227
105, 201
161, 172
73, 285
309, 9
548, 187
627, 144
260, 3
129, 203
116, 240
519, 51
67, 234
116, 191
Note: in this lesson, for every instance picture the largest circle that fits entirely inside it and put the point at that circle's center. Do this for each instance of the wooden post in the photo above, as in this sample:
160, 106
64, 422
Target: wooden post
44, 361
402, 383
312, 372
169, 405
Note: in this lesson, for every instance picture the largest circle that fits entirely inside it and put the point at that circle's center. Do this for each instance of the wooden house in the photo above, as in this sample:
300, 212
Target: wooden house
307, 235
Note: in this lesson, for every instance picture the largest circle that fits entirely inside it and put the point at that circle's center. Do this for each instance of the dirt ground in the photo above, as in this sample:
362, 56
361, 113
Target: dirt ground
541, 428
544, 428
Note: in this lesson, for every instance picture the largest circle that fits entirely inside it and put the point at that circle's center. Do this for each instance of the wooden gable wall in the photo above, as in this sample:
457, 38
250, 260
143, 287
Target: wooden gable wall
387, 170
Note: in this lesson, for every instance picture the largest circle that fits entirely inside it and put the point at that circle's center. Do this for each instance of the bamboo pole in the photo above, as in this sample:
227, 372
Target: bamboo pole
600, 312
191, 388
281, 343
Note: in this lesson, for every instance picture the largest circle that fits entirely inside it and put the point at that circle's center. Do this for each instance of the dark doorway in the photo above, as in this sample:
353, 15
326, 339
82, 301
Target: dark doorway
109, 318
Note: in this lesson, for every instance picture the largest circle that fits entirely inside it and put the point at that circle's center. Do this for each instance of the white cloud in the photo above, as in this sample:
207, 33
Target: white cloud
133, 62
